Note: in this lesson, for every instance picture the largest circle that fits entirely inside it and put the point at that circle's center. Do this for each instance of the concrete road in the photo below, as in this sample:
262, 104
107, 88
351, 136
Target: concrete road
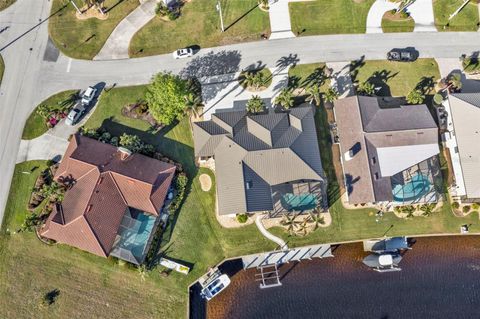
29, 79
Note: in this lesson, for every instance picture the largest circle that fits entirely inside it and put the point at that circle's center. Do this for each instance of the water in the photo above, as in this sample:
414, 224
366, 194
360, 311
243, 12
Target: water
416, 188
440, 279
299, 202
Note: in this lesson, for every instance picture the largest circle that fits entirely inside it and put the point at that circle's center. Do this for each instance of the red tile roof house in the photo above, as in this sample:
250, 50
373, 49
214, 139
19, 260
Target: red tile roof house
113, 207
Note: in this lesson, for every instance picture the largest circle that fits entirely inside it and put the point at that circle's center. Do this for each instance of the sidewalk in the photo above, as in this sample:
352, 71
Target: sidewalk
280, 242
117, 44
375, 15
341, 79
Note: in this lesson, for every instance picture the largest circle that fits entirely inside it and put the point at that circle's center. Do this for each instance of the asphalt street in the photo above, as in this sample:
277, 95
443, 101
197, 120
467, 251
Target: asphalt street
30, 78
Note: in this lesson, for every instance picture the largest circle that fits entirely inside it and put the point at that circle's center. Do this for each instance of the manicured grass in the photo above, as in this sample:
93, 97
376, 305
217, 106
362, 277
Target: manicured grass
302, 75
398, 78
35, 124
83, 39
329, 16
465, 20
94, 287
6, 3
393, 23
199, 24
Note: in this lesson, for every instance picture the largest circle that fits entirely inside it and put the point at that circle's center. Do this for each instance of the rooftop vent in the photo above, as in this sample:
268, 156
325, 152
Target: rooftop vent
124, 153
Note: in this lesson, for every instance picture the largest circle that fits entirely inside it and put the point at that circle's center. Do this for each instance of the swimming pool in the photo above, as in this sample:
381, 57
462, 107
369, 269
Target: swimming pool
417, 187
300, 202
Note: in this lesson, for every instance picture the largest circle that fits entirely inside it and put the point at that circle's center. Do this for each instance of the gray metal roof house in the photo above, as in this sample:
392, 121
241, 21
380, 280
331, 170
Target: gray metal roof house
389, 154
465, 115
266, 162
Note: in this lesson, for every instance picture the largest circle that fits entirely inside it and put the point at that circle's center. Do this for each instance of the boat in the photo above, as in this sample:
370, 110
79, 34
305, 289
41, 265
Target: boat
213, 283
384, 262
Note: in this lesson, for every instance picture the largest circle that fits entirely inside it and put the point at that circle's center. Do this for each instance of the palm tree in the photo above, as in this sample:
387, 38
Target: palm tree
303, 228
255, 105
248, 79
427, 209
316, 219
455, 81
290, 223
331, 95
142, 271
193, 104
54, 192
314, 94
285, 98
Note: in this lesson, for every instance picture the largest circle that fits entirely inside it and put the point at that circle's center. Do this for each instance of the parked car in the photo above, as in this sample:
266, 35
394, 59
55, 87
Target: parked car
183, 53
215, 287
88, 95
75, 114
402, 55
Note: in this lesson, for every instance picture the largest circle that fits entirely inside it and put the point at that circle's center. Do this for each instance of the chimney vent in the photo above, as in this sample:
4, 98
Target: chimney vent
124, 153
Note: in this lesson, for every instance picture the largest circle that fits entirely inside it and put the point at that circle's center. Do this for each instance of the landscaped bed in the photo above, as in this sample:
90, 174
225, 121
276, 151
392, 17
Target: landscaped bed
397, 78
329, 16
256, 80
199, 24
6, 3
465, 20
36, 123
83, 39
397, 23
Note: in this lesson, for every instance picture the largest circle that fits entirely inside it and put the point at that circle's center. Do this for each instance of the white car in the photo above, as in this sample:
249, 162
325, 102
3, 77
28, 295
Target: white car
75, 114
215, 287
88, 95
183, 53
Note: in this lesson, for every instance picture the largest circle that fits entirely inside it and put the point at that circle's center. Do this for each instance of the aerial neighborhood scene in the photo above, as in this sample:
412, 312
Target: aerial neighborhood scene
239, 158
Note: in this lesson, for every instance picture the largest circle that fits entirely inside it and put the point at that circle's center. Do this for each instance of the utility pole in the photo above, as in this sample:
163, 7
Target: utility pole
219, 9
73, 3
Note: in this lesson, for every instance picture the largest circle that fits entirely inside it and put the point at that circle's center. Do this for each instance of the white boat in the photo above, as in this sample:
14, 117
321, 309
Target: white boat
215, 286
383, 262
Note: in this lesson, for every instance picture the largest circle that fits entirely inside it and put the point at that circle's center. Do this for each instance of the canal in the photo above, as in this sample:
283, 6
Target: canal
440, 278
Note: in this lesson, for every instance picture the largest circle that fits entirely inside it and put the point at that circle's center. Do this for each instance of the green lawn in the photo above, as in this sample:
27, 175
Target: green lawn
465, 20
35, 124
398, 78
6, 3
394, 24
83, 39
199, 24
302, 75
329, 16
93, 287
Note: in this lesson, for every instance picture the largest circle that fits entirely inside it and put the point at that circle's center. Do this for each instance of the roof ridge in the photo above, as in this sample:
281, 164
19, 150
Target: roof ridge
97, 241
303, 161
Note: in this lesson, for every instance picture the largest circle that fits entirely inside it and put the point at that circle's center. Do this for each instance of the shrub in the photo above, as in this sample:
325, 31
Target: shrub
475, 206
180, 186
456, 205
466, 208
242, 218
438, 99
393, 11
415, 97
366, 88
161, 9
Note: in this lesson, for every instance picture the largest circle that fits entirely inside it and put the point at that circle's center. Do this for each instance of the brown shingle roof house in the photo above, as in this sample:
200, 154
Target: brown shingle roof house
266, 162
113, 205
389, 152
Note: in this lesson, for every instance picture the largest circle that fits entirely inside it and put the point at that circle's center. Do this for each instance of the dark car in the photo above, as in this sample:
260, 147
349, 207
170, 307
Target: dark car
402, 55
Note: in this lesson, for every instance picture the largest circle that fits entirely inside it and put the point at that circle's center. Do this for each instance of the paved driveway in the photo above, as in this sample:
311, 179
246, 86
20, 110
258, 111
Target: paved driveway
375, 15
422, 12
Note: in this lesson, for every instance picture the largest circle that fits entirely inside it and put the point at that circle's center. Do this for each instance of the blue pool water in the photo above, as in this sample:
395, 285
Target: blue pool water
135, 237
417, 187
299, 202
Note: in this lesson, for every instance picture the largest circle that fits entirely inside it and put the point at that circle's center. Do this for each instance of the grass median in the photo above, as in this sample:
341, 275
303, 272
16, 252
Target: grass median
83, 39
199, 24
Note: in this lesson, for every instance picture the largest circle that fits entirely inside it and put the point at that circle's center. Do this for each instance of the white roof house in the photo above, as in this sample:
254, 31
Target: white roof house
465, 118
